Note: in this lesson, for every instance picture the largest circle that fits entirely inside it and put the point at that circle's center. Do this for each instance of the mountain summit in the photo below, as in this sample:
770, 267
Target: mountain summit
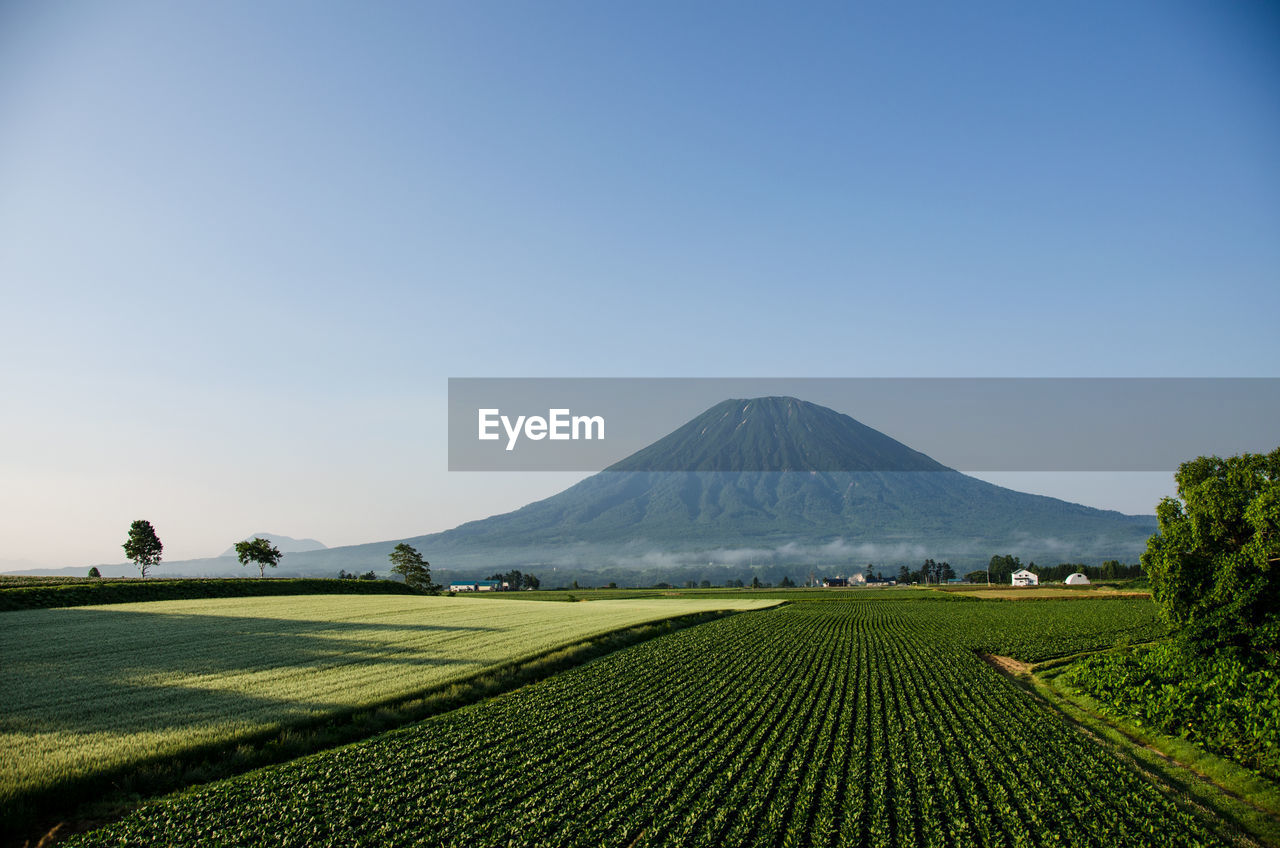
776, 434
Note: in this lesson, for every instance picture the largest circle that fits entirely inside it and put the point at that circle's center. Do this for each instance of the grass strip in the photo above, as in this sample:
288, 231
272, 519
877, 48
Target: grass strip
86, 803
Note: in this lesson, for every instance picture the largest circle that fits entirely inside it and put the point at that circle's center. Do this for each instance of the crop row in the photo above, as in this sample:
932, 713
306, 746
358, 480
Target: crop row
832, 723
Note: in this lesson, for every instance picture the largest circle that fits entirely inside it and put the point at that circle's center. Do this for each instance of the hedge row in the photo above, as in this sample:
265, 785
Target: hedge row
130, 591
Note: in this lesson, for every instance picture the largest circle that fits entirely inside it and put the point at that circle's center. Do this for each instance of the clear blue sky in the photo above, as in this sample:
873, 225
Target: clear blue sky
243, 245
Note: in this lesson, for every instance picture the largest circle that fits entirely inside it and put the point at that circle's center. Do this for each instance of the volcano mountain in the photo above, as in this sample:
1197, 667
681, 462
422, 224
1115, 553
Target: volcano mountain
772, 479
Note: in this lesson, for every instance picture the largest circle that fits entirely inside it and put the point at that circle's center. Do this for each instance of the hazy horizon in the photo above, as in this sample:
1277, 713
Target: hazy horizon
1124, 487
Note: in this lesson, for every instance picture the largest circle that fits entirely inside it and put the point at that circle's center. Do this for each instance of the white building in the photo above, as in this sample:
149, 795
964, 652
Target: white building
1025, 578
478, 586
1077, 579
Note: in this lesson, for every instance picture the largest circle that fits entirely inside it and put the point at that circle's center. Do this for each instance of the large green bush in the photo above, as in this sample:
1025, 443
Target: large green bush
1215, 563
1224, 703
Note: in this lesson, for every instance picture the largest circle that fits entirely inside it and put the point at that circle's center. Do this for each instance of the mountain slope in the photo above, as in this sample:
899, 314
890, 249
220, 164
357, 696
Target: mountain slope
780, 477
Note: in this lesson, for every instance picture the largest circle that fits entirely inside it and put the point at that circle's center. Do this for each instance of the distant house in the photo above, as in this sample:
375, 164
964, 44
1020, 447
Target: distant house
1025, 578
1077, 579
835, 582
478, 586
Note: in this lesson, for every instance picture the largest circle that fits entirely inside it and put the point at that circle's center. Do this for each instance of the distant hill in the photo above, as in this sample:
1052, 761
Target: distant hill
286, 544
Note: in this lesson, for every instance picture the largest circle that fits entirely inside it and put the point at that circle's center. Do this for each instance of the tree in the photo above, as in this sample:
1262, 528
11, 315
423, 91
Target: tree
904, 574
1214, 565
94, 572
143, 545
416, 571
787, 583
259, 551
1001, 568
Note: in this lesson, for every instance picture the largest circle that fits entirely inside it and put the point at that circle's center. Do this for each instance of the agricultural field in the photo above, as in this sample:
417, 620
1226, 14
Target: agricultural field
865, 720
93, 690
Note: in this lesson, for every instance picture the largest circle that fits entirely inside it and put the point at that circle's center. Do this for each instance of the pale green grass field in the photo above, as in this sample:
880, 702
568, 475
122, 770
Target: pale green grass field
87, 690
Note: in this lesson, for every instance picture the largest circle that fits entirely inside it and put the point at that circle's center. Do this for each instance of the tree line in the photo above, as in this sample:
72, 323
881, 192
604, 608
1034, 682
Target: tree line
144, 548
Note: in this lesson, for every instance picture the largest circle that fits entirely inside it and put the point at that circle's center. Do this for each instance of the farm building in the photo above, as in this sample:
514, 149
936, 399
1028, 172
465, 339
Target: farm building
832, 582
1025, 578
478, 586
1077, 579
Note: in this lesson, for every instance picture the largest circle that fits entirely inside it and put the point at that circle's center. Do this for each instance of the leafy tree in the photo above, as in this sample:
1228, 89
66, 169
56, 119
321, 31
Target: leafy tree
416, 571
705, 584
1214, 565
755, 582
904, 574
94, 572
1001, 568
259, 551
143, 545
368, 575
946, 572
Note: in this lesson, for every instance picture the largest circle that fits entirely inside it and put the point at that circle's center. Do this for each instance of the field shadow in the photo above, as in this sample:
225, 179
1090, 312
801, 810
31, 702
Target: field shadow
130, 672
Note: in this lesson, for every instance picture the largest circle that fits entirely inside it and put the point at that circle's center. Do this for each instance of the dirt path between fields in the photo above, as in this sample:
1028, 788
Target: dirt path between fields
1008, 665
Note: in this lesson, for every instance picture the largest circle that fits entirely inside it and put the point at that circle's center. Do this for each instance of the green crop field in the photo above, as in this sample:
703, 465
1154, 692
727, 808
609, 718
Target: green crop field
861, 721
91, 690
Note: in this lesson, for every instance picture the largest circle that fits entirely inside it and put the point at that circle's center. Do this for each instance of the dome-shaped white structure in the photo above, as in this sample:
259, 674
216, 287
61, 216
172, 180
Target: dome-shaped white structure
1077, 579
